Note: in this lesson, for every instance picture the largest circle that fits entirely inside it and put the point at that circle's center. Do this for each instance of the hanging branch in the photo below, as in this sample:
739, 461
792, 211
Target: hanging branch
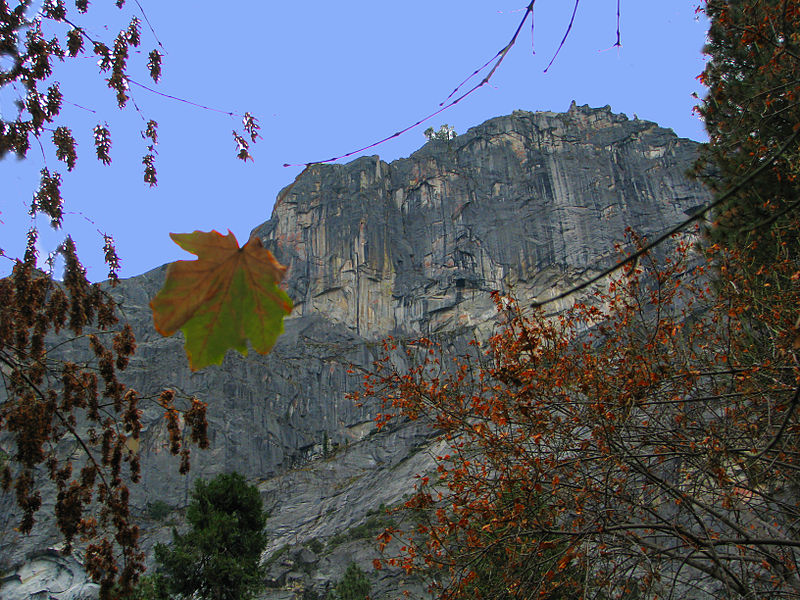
449, 102
566, 35
230, 113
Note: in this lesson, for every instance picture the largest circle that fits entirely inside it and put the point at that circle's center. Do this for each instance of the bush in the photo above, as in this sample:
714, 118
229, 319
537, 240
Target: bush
315, 546
445, 133
158, 510
275, 556
375, 522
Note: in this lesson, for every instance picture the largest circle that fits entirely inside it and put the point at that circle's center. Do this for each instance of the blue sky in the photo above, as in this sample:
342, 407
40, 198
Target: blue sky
325, 78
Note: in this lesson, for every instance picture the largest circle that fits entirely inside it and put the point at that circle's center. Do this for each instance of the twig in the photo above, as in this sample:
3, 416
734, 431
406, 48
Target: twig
146, 20
566, 34
776, 438
203, 106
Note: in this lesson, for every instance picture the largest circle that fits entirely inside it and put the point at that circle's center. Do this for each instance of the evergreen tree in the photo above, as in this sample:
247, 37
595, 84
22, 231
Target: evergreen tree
752, 117
218, 559
353, 586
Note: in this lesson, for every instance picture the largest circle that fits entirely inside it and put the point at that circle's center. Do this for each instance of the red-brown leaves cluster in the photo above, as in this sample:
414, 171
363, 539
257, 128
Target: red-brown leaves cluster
645, 441
32, 53
77, 420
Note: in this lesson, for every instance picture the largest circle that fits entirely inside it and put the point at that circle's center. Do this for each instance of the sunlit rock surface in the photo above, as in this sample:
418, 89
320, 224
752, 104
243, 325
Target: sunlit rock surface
531, 202
47, 575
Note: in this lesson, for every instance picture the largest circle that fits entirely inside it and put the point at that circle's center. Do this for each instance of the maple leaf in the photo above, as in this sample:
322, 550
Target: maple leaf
222, 299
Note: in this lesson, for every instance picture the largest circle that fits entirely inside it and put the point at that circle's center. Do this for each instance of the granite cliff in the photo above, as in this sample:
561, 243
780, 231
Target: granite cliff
531, 202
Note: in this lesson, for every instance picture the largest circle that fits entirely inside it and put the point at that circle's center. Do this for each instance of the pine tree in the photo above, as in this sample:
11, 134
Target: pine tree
218, 559
752, 115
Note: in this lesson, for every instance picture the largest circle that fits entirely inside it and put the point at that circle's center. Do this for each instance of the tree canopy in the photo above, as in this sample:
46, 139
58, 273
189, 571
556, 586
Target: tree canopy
643, 442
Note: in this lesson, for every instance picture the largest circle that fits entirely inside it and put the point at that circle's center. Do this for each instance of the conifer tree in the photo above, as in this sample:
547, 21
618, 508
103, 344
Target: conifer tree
752, 115
218, 558
354, 585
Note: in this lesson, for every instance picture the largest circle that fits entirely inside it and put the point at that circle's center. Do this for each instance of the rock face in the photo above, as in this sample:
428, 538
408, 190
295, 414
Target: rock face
531, 202
48, 575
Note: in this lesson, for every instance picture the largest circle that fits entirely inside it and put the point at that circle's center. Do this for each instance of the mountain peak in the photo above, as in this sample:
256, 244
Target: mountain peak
532, 199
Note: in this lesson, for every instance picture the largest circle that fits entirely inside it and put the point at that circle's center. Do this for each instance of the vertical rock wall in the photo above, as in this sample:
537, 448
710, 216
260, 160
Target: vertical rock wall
530, 200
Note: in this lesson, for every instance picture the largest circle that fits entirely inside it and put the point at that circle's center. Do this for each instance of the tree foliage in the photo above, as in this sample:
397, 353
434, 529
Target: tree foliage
445, 133
354, 585
71, 421
752, 114
218, 558
644, 441
33, 44
656, 425
641, 443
